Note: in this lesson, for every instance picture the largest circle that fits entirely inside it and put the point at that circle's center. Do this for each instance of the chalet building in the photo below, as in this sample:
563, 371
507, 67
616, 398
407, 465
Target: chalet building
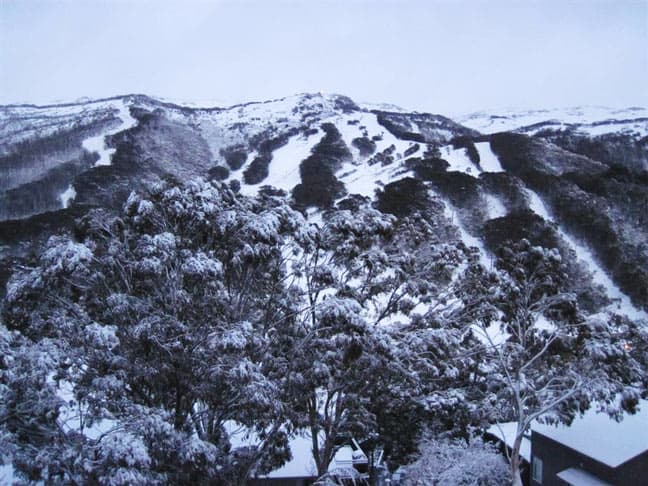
555, 463
594, 450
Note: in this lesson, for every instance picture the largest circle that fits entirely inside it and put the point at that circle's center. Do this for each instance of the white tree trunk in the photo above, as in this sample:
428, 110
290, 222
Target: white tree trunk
516, 477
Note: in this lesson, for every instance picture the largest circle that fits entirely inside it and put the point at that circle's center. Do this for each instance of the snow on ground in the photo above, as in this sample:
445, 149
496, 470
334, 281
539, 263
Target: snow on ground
494, 206
350, 131
301, 464
7, 474
488, 161
536, 205
67, 196
315, 216
364, 179
485, 258
458, 160
360, 177
588, 117
301, 447
357, 175
369, 122
246, 190
97, 144
72, 413
284, 167
383, 107
599, 276
635, 127
21, 123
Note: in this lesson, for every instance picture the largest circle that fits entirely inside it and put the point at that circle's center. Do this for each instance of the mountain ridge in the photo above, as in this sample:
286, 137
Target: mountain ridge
321, 150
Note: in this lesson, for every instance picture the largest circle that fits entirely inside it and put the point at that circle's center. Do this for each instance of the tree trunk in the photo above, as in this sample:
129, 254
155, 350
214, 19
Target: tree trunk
315, 430
179, 418
515, 461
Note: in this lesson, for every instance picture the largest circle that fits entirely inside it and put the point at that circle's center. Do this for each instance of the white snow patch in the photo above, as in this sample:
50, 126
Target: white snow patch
595, 120
7, 474
543, 324
458, 160
488, 161
315, 216
370, 123
469, 240
72, 415
493, 335
494, 207
284, 166
97, 144
67, 196
365, 179
536, 205
246, 189
383, 107
578, 477
599, 276
302, 463
635, 128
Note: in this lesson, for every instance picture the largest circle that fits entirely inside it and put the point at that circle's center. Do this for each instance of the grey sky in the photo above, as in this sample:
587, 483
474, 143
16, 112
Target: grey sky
444, 57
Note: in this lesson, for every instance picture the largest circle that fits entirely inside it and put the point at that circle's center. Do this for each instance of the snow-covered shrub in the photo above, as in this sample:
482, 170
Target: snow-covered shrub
457, 463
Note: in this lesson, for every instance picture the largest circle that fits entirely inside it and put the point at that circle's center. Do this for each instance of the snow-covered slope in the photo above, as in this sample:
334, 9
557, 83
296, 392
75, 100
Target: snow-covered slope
20, 123
621, 302
318, 148
97, 143
590, 120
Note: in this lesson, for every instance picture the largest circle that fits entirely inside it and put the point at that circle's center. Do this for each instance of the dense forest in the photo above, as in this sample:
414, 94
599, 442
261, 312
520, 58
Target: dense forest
133, 344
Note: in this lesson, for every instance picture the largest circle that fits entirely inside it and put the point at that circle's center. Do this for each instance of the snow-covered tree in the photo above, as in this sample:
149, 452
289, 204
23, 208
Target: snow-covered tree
457, 462
356, 275
542, 359
146, 335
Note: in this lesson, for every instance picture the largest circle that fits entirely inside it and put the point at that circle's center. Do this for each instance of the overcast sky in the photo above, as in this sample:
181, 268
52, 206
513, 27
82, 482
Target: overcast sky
447, 57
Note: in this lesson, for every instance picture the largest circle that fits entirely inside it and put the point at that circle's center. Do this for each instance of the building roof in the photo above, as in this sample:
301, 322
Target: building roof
598, 436
506, 433
578, 477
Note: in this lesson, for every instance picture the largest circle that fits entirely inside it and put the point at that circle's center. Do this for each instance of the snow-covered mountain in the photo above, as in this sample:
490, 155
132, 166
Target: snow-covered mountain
574, 179
590, 120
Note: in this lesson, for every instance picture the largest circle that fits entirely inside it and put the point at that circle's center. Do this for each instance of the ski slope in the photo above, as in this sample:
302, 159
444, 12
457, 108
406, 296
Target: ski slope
622, 304
97, 144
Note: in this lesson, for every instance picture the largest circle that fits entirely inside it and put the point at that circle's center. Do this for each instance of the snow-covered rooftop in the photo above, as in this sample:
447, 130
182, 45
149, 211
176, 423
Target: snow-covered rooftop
506, 432
602, 438
594, 434
578, 477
